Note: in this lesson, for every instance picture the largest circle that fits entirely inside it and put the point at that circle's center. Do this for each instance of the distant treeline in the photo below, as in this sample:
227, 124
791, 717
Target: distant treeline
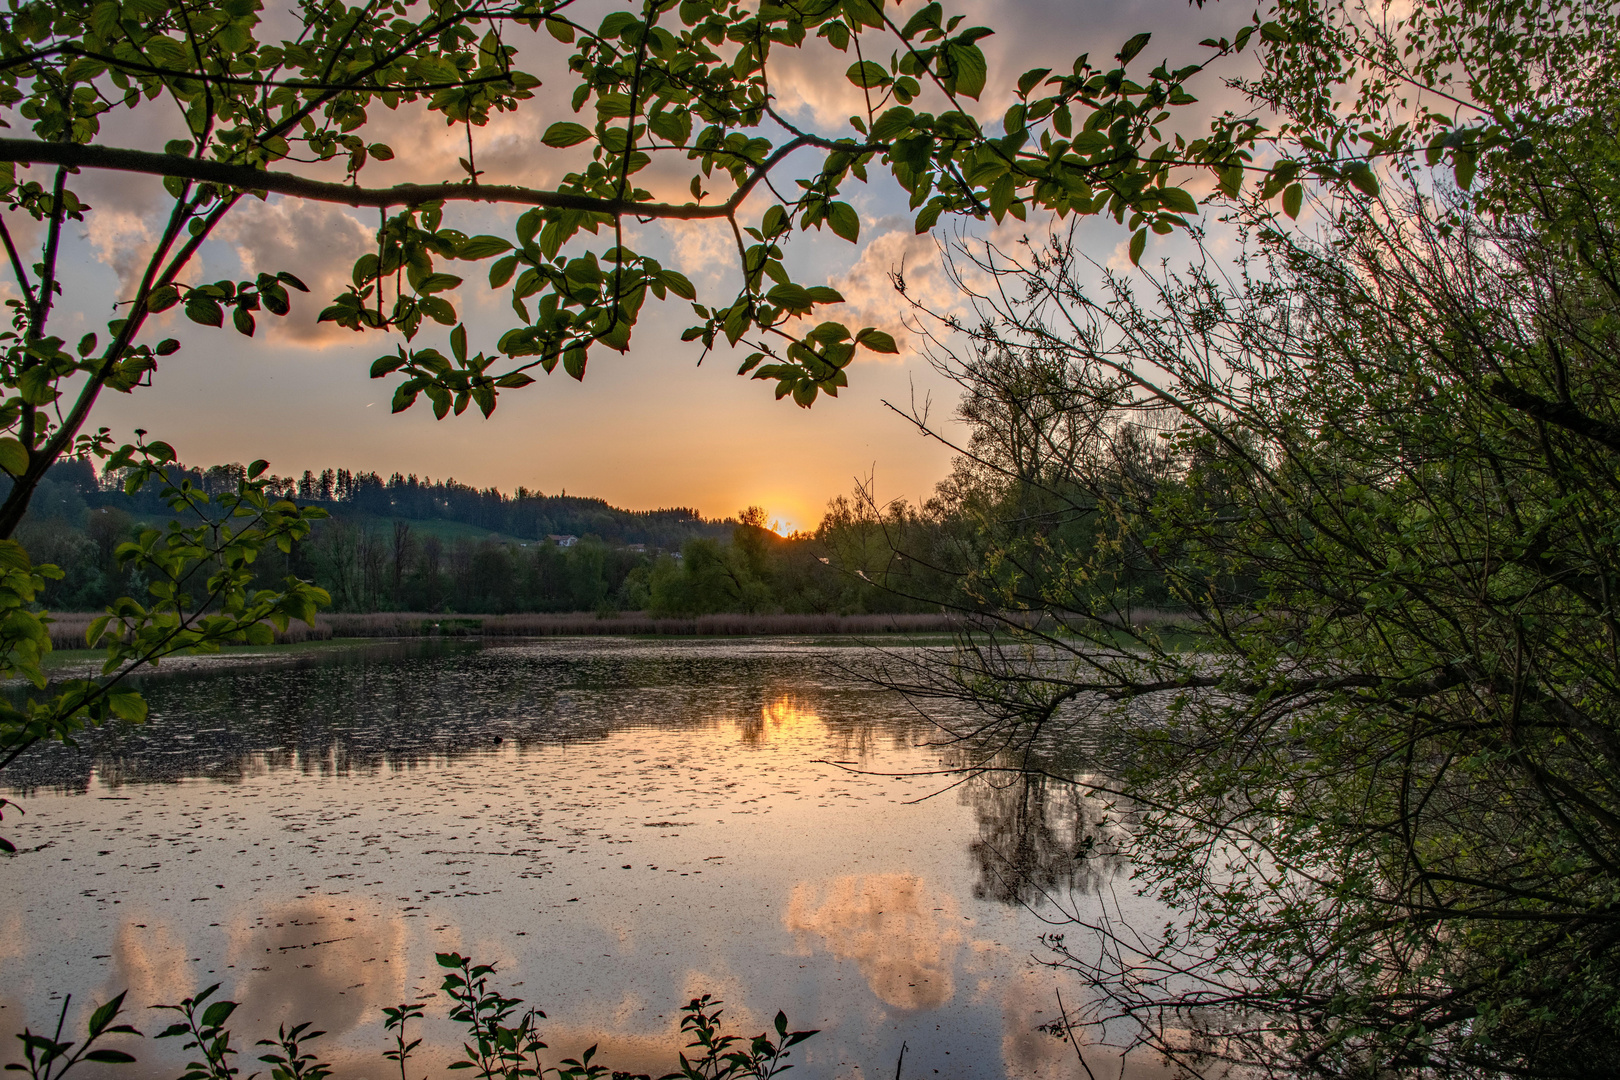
72, 486
419, 545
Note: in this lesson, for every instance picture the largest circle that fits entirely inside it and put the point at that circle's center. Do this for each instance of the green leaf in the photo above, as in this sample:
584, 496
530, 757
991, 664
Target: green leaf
1464, 162
968, 70
877, 341
1132, 47
1360, 174
162, 298
13, 458
104, 1014
1293, 197
13, 557
679, 285
574, 363
202, 309
384, 365
618, 335
616, 24
1138, 245
829, 332
674, 127
792, 297
844, 221
220, 1011
104, 19
1178, 200
36, 386
129, 705
1002, 193
482, 247
437, 283
1029, 80
501, 270
928, 17
563, 134
866, 74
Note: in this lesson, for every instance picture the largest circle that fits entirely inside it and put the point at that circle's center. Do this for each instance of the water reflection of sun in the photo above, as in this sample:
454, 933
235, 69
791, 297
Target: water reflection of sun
785, 718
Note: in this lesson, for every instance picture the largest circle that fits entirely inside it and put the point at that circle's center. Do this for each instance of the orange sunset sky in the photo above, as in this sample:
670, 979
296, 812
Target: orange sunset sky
645, 429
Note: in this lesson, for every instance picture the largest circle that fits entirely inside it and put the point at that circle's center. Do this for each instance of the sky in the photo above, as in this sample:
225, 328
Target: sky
648, 428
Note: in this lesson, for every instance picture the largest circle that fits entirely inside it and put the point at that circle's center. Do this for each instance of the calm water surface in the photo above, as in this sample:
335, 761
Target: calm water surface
617, 825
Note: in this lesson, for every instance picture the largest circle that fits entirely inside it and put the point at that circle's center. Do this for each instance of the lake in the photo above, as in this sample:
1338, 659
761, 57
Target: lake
617, 825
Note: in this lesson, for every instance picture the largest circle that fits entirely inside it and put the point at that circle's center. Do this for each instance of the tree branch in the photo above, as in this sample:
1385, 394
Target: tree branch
1556, 413
247, 178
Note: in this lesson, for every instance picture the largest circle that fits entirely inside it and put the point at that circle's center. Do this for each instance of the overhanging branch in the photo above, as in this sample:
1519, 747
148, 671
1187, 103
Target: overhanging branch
247, 178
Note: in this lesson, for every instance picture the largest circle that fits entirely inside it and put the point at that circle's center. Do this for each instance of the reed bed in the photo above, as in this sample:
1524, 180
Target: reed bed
68, 628
538, 625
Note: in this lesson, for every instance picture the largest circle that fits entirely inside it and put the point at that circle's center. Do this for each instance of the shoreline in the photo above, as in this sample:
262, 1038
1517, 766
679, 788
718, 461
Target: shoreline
62, 664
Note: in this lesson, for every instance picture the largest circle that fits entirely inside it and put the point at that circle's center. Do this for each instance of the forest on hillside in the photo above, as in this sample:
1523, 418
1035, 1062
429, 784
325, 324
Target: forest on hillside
405, 544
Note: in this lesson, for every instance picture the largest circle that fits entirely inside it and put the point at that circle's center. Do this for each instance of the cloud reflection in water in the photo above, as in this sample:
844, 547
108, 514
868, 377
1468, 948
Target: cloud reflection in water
902, 935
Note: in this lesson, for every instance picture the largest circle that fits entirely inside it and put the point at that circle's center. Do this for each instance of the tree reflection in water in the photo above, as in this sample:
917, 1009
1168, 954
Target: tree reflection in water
1040, 838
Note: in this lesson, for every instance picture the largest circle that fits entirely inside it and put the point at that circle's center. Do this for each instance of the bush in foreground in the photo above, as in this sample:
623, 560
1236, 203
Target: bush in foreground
502, 1039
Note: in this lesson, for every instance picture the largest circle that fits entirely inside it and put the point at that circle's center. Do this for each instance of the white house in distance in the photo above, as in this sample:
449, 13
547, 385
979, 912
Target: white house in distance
564, 541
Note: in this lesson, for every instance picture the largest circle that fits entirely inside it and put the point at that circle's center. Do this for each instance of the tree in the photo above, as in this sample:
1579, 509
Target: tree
660, 81
708, 578
1369, 756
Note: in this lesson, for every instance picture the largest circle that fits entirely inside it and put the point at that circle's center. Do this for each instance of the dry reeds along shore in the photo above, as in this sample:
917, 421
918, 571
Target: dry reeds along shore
68, 629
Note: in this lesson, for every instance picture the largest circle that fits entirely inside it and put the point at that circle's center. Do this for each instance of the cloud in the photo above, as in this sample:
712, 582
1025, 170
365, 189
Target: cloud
26, 232
704, 251
872, 288
123, 240
812, 81
316, 241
